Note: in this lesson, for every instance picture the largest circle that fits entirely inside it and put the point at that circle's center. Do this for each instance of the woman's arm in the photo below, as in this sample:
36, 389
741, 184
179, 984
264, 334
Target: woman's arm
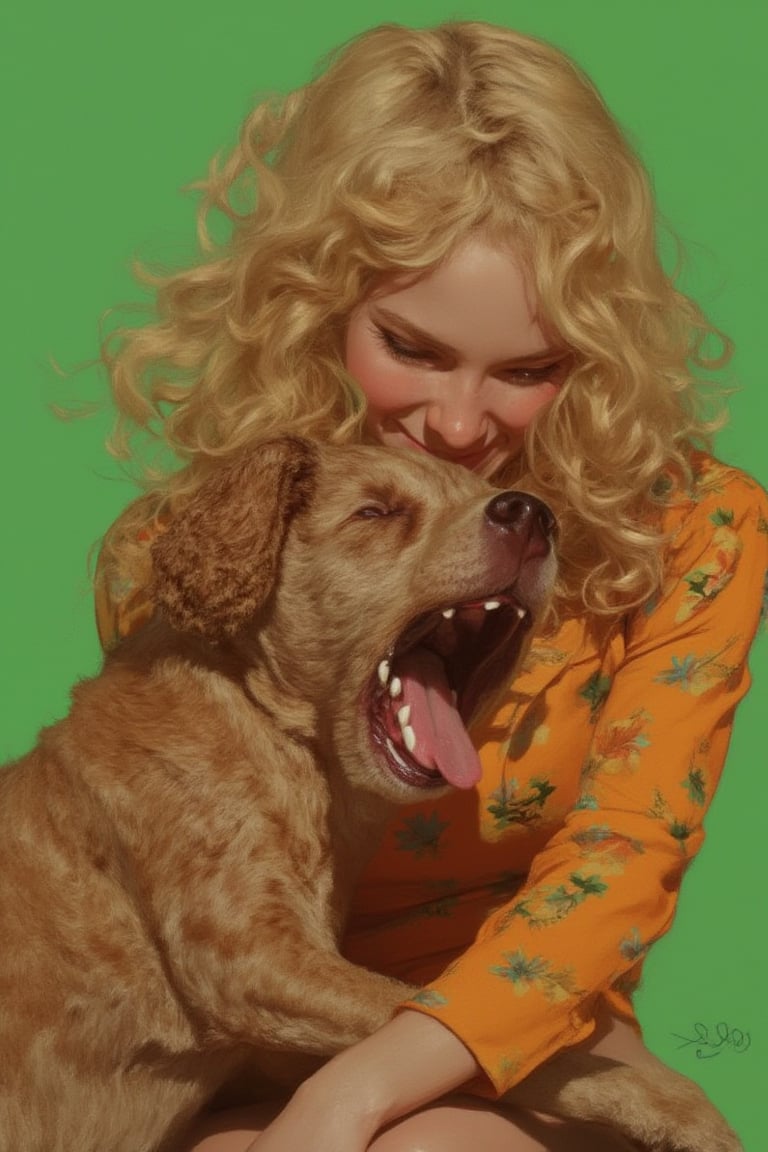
408, 1063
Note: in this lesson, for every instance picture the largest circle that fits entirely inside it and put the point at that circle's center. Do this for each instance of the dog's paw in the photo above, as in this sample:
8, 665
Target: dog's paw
677, 1117
669, 1114
651, 1104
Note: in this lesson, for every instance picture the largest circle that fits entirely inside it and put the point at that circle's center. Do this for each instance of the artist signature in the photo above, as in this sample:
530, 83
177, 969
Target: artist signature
714, 1041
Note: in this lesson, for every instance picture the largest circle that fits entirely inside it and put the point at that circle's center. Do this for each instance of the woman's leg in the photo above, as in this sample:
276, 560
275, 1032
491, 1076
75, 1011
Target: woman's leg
458, 1125
232, 1130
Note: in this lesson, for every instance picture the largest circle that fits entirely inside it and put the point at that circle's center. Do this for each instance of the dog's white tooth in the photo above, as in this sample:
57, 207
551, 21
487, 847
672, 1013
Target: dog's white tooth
449, 613
394, 753
395, 686
409, 736
383, 671
491, 604
404, 715
520, 612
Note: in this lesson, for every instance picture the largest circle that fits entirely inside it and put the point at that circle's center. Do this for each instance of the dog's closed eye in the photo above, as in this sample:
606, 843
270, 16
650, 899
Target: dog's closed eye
378, 511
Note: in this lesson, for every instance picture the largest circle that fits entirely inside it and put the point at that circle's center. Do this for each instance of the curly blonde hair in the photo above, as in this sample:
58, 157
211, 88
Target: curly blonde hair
411, 141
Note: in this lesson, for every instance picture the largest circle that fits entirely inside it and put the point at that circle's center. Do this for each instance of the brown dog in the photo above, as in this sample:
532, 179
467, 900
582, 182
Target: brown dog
176, 855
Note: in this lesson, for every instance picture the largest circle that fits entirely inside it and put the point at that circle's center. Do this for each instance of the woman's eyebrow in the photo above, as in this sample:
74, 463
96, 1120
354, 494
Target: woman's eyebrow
413, 332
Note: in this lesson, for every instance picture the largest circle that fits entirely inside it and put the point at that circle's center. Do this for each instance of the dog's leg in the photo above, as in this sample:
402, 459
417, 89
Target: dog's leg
346, 1004
651, 1103
295, 997
323, 1007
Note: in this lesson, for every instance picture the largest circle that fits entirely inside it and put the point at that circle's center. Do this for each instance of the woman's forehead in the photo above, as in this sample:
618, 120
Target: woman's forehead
481, 298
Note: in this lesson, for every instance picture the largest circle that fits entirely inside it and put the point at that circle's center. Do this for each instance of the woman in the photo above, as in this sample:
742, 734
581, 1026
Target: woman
444, 242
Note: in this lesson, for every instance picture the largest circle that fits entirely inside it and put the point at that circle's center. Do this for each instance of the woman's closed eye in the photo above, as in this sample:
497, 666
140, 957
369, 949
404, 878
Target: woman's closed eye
408, 353
400, 350
546, 372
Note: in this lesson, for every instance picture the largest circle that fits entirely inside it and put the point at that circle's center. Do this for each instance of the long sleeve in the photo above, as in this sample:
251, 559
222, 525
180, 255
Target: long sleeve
604, 886
123, 605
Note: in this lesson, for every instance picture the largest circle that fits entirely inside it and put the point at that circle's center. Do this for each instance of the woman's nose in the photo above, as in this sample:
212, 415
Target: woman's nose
457, 415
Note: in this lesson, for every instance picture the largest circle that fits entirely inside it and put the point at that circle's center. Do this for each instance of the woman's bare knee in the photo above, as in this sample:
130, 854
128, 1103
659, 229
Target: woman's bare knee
230, 1131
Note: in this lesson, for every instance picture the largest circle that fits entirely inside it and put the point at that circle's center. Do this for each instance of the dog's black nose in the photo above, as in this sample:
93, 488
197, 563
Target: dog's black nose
521, 512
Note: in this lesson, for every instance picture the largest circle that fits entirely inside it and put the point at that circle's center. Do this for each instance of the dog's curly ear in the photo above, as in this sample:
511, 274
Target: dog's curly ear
216, 564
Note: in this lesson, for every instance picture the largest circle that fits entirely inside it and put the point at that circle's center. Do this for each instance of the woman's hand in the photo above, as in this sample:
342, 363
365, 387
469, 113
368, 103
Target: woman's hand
407, 1064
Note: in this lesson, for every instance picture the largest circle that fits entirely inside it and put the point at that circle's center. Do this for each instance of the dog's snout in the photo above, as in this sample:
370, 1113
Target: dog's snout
520, 512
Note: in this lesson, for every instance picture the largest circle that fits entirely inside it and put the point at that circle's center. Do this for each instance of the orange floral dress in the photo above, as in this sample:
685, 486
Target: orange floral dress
520, 906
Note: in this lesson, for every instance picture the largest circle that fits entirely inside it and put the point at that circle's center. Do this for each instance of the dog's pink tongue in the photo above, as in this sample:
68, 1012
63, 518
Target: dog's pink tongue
442, 741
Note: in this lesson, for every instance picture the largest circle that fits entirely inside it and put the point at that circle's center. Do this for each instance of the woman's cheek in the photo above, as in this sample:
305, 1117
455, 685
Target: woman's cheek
388, 387
521, 409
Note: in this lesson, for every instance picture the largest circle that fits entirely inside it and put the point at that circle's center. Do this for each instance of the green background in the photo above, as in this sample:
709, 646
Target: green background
110, 109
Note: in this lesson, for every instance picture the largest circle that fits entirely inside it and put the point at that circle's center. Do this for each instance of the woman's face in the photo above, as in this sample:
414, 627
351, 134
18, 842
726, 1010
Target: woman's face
455, 364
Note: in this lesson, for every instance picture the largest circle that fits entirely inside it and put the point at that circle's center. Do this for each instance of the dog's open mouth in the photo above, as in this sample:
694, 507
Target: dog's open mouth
427, 688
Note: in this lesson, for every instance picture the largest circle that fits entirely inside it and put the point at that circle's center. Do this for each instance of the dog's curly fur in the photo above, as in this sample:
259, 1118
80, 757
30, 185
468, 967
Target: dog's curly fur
176, 855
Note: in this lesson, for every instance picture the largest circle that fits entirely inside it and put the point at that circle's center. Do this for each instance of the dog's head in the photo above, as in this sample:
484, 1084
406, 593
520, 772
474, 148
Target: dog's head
386, 591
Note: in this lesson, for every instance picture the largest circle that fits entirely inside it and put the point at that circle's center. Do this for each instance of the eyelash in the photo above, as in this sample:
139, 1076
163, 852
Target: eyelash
408, 355
400, 351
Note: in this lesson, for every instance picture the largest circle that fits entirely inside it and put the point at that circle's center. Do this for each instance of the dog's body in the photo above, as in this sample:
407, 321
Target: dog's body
176, 856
